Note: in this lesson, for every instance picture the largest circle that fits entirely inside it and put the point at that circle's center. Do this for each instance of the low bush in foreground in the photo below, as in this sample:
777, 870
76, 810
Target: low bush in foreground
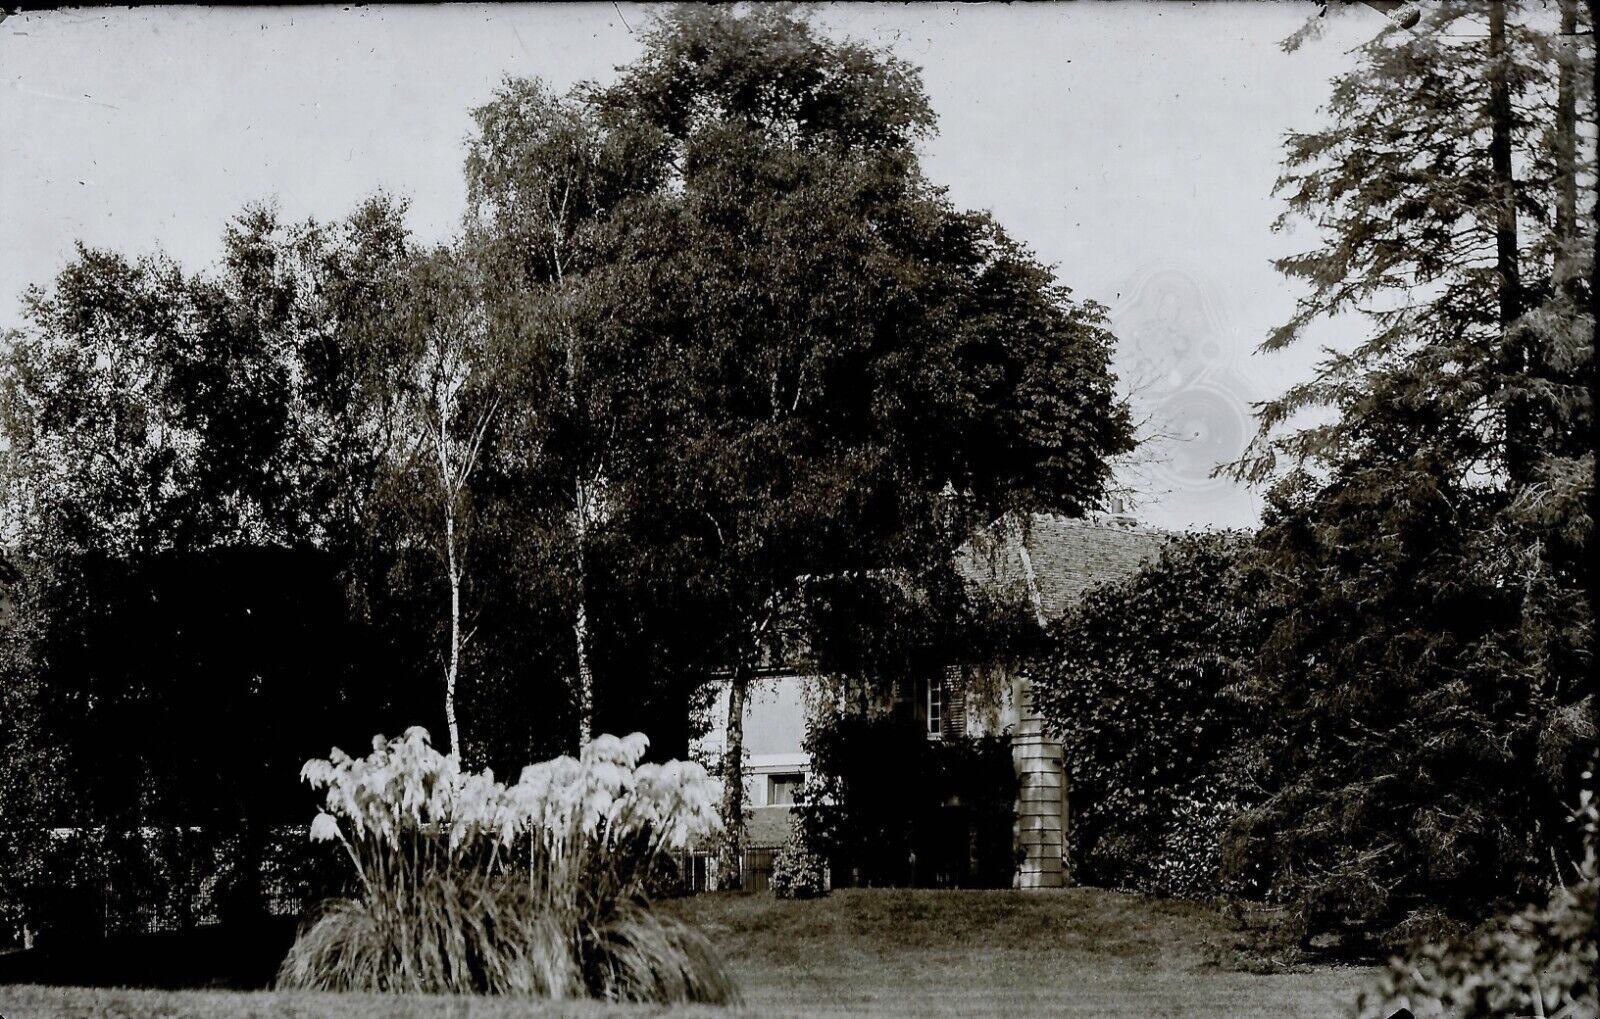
1539, 961
798, 873
536, 888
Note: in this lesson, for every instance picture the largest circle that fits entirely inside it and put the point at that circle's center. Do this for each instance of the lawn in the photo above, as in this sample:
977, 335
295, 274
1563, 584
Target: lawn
1080, 952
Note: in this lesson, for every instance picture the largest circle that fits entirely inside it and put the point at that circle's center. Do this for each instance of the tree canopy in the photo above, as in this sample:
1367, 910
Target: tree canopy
1422, 556
708, 336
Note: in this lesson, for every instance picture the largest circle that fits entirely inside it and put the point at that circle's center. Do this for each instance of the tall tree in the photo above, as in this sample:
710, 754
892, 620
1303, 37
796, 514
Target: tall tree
1422, 557
844, 374
453, 402
542, 172
170, 443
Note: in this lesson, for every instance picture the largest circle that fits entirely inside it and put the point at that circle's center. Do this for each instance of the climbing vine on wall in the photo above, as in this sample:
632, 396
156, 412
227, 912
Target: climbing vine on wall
1136, 682
885, 805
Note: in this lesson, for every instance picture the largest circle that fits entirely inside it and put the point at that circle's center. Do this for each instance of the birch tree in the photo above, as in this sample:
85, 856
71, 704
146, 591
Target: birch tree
842, 374
543, 171
453, 406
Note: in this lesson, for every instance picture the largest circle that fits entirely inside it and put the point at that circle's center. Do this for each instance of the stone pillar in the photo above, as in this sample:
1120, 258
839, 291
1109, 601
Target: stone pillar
1040, 831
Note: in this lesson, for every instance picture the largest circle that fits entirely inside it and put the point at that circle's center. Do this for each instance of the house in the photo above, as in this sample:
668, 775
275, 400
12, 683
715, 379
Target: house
1048, 565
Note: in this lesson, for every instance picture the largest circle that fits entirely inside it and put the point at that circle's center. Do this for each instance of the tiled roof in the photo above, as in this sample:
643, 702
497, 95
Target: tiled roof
1068, 556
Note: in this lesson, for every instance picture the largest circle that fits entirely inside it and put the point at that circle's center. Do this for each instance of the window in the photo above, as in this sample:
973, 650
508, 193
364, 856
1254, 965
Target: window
935, 709
781, 789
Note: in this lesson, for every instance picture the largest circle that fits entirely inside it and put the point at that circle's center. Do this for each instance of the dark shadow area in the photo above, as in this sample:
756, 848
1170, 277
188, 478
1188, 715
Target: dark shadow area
242, 956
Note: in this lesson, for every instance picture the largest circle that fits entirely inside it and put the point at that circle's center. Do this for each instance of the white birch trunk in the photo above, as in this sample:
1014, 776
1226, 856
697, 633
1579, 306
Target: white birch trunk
443, 405
453, 670
580, 621
583, 682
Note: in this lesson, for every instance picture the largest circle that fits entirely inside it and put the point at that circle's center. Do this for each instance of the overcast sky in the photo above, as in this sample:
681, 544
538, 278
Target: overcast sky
1132, 145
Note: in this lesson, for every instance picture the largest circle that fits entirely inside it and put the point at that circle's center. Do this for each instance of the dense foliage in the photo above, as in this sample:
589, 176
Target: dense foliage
1543, 959
217, 469
1421, 563
798, 873
247, 657
79, 884
1429, 717
1138, 679
820, 367
885, 805
537, 888
708, 336
1387, 685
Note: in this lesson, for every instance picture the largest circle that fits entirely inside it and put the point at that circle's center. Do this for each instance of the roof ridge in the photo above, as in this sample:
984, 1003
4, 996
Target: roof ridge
1103, 523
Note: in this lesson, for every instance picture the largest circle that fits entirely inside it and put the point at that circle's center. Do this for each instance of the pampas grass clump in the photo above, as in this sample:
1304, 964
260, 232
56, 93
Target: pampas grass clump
534, 889
451, 935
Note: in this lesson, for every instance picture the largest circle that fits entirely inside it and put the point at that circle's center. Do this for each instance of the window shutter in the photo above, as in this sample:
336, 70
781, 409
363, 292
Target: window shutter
955, 703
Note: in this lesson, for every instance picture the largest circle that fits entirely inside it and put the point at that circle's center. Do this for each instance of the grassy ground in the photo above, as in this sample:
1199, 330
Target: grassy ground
1080, 952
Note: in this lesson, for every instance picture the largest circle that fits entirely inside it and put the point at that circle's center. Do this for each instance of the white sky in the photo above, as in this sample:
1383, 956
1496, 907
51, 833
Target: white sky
1133, 145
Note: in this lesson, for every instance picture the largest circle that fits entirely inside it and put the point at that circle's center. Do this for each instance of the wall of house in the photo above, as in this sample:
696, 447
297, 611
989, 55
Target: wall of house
775, 719
775, 716
774, 731
1041, 814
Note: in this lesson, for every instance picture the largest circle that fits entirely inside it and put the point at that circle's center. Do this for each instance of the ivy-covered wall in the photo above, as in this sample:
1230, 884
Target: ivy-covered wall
1136, 684
885, 805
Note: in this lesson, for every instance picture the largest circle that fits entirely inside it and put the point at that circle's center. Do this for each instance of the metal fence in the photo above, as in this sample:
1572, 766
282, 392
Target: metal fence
700, 871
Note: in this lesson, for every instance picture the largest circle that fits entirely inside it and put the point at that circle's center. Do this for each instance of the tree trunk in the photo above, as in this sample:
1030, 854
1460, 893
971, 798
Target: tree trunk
1500, 113
732, 858
1520, 448
580, 621
453, 669
1566, 140
584, 694
1592, 571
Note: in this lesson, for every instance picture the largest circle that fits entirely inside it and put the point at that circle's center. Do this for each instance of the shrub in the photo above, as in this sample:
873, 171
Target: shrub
798, 873
536, 888
942, 815
1541, 960
90, 882
1424, 680
1188, 859
1136, 681
62, 889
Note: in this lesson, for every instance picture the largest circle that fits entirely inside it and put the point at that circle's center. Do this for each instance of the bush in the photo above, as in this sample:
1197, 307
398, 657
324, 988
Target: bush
798, 873
1188, 858
537, 888
1541, 960
943, 815
75, 883
1424, 684
1137, 681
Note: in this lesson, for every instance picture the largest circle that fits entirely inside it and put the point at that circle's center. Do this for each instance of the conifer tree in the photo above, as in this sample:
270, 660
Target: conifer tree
1421, 554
